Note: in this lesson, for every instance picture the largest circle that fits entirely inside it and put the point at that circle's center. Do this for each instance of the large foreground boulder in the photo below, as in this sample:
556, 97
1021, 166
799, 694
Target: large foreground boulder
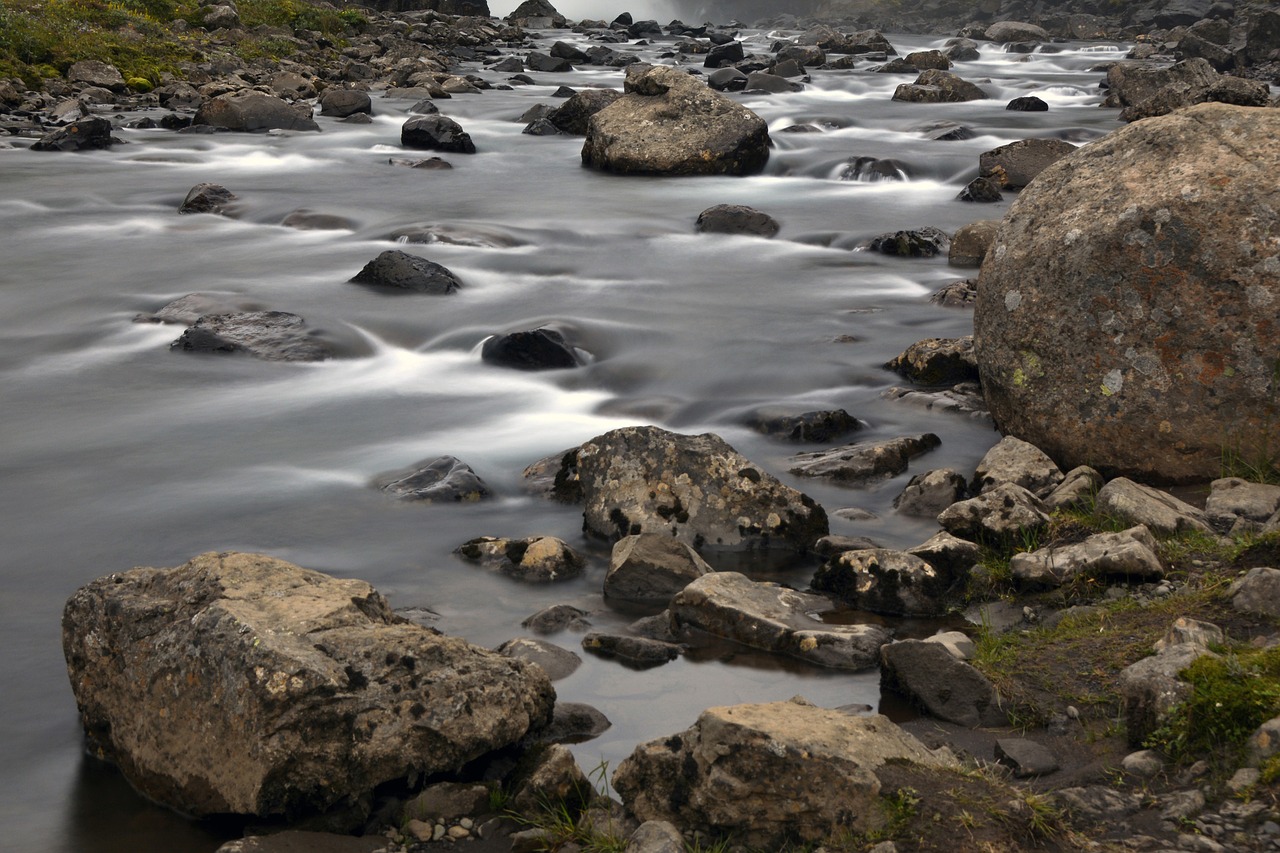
695, 488
669, 123
242, 684
769, 774
1126, 315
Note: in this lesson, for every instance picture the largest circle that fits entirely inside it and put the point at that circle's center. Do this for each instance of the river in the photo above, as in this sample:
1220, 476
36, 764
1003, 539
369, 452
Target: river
117, 452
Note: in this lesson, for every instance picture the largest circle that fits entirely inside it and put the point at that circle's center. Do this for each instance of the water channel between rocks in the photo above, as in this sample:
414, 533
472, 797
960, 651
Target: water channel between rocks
117, 452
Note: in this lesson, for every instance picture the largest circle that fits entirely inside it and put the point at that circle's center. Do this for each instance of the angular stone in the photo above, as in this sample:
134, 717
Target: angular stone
574, 722
656, 836
1150, 689
1020, 162
436, 133
814, 427
208, 198
253, 111
1013, 460
1129, 554
948, 554
1237, 498
970, 243
923, 242
1079, 487
341, 103
1026, 757
441, 480
736, 219
303, 841
944, 687
1185, 630
537, 559
651, 567
635, 652
87, 134
574, 115
556, 662
863, 462
776, 619
930, 493
934, 86
1006, 511
1159, 511
555, 778
1257, 592
399, 271
558, 617
269, 335
937, 361
884, 581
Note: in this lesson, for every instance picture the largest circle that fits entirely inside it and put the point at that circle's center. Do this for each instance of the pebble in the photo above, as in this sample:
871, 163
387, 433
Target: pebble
457, 833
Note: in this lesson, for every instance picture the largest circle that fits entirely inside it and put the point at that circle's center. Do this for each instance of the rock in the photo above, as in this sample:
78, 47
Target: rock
186, 310
87, 134
302, 841
916, 243
923, 59
1262, 37
1232, 498
1145, 764
1129, 554
806, 55
957, 294
535, 349
248, 110
1079, 487
634, 652
863, 462
541, 127
241, 684
220, 16
736, 219
763, 81
771, 774
1184, 630
696, 489
574, 722
208, 198
429, 163
724, 54
945, 688
536, 61
727, 80
930, 493
933, 86
669, 123
1007, 511
424, 107
1027, 104
1003, 32
441, 480
1020, 162
447, 801
436, 133
341, 103
1026, 757
651, 567
1097, 802
1013, 460
309, 220
1175, 96
404, 273
92, 72
564, 50
829, 546
1129, 84
884, 581
937, 361
656, 836
1150, 689
982, 190
554, 780
1257, 592
818, 427
963, 398
558, 617
957, 643
1264, 743
948, 554
970, 243
1161, 512
773, 618
574, 115
270, 335
1127, 374
874, 169
538, 559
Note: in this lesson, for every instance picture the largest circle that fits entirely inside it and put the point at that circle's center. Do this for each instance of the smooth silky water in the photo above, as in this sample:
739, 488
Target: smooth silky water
117, 452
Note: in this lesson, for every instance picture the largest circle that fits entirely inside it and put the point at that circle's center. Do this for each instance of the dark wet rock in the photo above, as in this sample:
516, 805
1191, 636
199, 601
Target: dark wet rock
957, 294
983, 190
556, 662
208, 198
1170, 283
536, 559
651, 567
441, 480
865, 461
915, 243
537, 61
963, 51
775, 619
695, 488
736, 219
1006, 512
948, 554
763, 81
86, 134
970, 243
1135, 503
541, 127
884, 581
1013, 460
564, 50
1019, 162
1026, 757
930, 493
727, 80
772, 775
724, 54
426, 106
806, 55
874, 169
255, 675
1027, 104
558, 617
669, 123
634, 652
535, 349
253, 111
428, 163
833, 40
945, 688
345, 102
818, 427
963, 398
948, 132
1004, 32
924, 59
401, 272
934, 86
937, 361
186, 310
270, 335
436, 133
574, 115
574, 722
508, 65
1129, 554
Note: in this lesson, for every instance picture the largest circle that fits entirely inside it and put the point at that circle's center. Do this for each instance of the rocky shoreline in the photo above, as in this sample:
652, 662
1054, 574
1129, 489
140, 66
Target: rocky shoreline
1065, 720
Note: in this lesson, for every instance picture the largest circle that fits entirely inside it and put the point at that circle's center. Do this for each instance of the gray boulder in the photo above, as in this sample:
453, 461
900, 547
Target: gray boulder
92, 72
950, 555
208, 198
241, 684
771, 774
1231, 498
253, 111
341, 103
651, 567
1020, 162
436, 133
1003, 32
863, 462
774, 618
1025, 757
1130, 554
1013, 460
1129, 84
934, 680
1257, 592
884, 581
736, 219
86, 134
537, 559
1007, 511
669, 123
1221, 89
656, 836
401, 272
695, 488
930, 493
1159, 511
1164, 377
441, 480
269, 335
556, 662
574, 115
934, 86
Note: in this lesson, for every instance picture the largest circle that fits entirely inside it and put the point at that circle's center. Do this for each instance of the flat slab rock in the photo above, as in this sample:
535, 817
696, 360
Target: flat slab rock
242, 684
863, 462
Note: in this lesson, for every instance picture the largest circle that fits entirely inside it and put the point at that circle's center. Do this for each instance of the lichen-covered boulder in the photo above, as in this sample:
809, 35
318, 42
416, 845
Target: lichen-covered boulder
669, 123
695, 488
1127, 314
242, 684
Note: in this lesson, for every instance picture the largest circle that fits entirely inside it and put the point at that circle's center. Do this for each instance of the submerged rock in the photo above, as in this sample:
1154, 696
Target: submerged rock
736, 219
863, 462
535, 349
208, 198
651, 567
538, 559
270, 335
399, 271
441, 480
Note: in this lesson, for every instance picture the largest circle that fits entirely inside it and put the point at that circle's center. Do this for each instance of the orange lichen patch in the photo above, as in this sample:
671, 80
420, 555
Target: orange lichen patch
1212, 369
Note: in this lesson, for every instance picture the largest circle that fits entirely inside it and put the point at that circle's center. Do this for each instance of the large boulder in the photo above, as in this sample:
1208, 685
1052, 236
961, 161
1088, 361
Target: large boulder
574, 115
1132, 294
695, 488
86, 134
770, 774
249, 111
669, 123
242, 684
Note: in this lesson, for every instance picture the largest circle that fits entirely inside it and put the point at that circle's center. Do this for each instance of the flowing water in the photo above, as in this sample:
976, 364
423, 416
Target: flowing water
117, 452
